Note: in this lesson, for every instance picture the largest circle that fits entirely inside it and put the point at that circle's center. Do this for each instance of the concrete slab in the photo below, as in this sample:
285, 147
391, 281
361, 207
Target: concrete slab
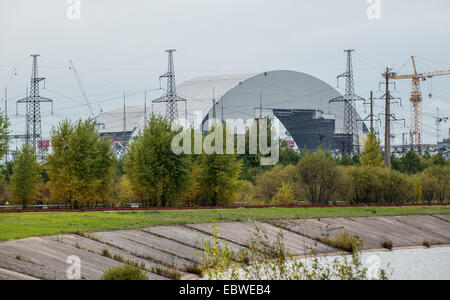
142, 250
444, 217
11, 275
405, 231
98, 248
241, 233
438, 230
188, 236
163, 244
45, 259
401, 233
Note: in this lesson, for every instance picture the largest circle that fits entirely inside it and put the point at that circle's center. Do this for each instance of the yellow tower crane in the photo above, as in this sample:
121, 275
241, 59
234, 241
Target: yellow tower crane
416, 98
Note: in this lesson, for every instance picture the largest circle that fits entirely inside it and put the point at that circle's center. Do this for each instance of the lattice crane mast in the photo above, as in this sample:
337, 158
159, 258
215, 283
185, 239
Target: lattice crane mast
416, 98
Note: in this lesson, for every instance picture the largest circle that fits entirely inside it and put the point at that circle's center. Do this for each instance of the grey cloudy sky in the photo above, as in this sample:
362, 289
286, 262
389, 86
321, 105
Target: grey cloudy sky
118, 45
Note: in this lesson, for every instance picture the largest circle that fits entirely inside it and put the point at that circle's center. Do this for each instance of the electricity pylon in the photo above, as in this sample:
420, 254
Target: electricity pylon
349, 99
170, 97
33, 106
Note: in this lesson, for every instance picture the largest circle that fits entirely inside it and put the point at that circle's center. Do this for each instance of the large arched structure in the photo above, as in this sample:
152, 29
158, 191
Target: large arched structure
295, 98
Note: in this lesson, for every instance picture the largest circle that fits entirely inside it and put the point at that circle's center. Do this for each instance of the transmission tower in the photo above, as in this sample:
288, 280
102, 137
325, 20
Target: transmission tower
349, 99
33, 106
170, 97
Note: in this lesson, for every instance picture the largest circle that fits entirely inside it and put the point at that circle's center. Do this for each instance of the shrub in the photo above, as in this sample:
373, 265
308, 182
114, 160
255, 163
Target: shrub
26, 176
168, 273
106, 253
344, 242
398, 188
319, 173
284, 196
436, 184
267, 259
426, 243
387, 244
269, 183
368, 185
125, 272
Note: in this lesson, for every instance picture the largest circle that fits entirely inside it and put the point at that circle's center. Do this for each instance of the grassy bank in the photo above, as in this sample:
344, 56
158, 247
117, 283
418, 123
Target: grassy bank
18, 226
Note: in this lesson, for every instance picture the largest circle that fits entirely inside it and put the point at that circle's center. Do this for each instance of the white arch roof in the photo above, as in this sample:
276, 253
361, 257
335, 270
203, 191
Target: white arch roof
239, 94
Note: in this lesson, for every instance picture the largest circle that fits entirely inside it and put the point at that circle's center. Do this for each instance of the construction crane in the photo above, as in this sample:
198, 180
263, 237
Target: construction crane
88, 103
416, 98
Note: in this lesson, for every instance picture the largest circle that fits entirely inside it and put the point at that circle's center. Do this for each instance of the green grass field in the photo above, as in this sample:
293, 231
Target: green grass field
18, 226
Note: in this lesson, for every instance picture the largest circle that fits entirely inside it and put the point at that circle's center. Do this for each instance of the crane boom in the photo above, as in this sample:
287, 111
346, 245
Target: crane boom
88, 103
416, 98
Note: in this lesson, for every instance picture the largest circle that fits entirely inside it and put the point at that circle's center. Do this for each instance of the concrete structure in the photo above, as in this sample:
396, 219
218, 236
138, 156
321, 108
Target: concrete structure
249, 96
178, 247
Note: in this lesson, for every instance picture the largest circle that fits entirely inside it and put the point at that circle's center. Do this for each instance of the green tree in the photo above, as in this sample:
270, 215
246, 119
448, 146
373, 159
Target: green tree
155, 172
80, 168
284, 196
436, 184
396, 163
269, 183
411, 163
319, 174
288, 156
371, 155
439, 160
26, 176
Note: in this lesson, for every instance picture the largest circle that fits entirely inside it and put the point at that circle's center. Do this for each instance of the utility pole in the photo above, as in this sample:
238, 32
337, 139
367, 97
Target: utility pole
349, 99
33, 104
170, 97
145, 109
124, 113
388, 75
6, 118
371, 110
214, 104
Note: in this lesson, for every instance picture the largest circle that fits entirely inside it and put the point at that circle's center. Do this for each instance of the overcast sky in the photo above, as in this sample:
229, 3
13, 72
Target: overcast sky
118, 45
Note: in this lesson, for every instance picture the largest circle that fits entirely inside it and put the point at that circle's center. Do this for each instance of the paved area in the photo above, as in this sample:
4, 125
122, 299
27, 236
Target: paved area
178, 248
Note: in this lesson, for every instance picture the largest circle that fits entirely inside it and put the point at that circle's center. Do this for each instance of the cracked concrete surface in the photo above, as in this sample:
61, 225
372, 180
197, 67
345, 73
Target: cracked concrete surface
178, 247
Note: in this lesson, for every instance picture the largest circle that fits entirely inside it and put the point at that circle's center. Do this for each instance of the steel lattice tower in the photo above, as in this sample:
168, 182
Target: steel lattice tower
349, 99
33, 106
170, 97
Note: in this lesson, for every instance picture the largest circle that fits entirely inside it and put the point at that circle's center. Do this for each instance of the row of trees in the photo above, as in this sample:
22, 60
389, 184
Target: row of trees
319, 178
82, 171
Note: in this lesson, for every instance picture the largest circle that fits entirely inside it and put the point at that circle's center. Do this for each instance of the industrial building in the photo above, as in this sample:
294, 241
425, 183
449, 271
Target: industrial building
300, 101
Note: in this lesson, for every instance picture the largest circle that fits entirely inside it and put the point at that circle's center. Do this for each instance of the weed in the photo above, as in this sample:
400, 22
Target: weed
427, 243
344, 242
195, 269
125, 272
168, 273
387, 244
106, 253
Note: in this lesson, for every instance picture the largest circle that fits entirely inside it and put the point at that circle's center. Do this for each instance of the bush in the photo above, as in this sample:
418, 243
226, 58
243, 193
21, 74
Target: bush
267, 259
368, 185
319, 173
268, 184
436, 184
344, 241
387, 244
398, 188
284, 196
125, 272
